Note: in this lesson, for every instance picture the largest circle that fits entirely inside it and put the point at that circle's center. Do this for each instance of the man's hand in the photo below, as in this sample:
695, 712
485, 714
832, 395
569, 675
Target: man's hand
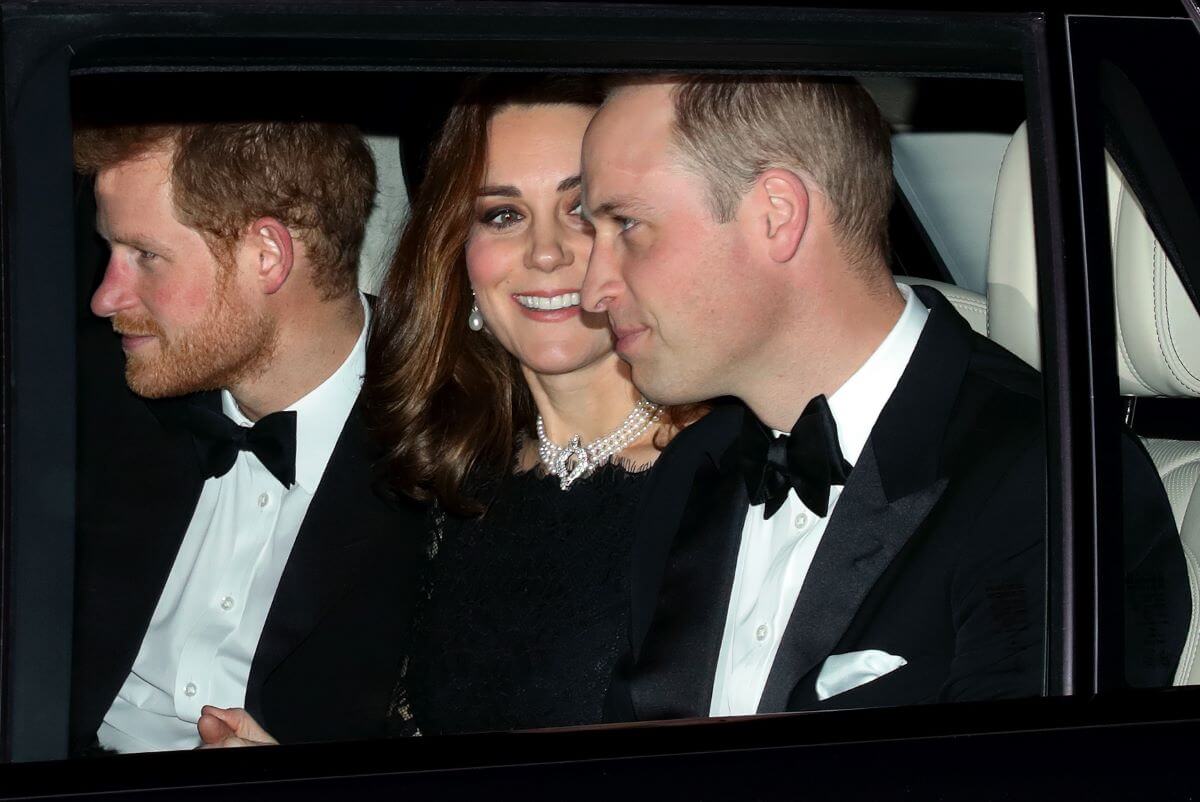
224, 727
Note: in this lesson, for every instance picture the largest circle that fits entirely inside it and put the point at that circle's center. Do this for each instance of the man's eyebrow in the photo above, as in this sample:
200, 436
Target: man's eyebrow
619, 207
135, 240
505, 191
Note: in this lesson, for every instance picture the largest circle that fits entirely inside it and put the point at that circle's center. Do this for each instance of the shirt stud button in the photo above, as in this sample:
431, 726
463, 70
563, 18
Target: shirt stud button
760, 634
263, 499
801, 521
189, 689
227, 603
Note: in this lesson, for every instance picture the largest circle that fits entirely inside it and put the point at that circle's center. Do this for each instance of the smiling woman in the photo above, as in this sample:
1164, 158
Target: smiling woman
527, 251
495, 241
503, 402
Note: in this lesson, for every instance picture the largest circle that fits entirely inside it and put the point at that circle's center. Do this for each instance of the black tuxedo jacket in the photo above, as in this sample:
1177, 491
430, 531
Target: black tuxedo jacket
331, 648
934, 552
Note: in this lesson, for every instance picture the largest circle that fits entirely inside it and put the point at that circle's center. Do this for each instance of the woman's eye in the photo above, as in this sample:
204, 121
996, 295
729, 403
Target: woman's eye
577, 209
502, 218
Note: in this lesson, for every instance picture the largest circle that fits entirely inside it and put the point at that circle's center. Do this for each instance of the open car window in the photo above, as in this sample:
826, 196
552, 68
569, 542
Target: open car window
1148, 176
964, 112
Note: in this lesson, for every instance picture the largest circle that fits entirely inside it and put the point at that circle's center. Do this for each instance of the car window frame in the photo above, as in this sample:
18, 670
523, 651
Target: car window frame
1096, 45
43, 47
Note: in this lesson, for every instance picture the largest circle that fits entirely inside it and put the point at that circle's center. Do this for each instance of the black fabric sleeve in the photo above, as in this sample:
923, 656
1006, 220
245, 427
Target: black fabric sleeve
998, 595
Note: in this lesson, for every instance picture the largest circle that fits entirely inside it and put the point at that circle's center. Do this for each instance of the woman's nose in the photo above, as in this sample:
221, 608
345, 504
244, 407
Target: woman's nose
549, 251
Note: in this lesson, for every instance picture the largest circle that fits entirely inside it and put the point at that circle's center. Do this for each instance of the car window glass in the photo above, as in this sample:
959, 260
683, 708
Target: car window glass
950, 138
1152, 189
947, 170
974, 153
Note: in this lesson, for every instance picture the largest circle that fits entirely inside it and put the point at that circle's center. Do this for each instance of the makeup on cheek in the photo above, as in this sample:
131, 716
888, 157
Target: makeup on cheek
492, 261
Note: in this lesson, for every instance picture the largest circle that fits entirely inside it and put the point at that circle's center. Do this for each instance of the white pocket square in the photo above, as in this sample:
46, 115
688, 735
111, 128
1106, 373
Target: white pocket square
841, 672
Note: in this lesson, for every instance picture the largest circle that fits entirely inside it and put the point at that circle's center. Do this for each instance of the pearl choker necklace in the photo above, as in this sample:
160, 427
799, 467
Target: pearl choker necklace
574, 460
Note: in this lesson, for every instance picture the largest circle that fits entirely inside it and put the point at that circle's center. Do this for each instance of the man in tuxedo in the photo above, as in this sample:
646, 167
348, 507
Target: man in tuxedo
863, 522
232, 548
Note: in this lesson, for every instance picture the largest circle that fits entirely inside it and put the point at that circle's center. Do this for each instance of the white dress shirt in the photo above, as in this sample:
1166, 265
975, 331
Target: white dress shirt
202, 637
775, 555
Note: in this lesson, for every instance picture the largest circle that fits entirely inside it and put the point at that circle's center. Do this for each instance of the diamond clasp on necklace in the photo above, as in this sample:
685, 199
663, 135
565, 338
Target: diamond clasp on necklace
574, 462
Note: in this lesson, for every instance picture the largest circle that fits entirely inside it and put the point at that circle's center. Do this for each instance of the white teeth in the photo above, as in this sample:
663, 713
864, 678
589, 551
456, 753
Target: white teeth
541, 302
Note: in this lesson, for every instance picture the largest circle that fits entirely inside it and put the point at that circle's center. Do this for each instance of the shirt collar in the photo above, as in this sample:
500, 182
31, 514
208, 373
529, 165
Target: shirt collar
857, 403
322, 413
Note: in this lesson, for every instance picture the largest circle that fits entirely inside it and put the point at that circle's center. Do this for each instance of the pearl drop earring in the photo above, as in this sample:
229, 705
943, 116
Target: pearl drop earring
475, 319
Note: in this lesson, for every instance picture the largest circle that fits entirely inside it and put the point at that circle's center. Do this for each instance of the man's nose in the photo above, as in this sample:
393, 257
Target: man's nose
602, 284
549, 250
115, 293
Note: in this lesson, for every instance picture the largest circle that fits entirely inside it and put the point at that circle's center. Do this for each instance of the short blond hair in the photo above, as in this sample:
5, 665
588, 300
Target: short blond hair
729, 130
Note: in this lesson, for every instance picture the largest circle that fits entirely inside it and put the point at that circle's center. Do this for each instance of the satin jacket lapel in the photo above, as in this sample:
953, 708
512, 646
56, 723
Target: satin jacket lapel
670, 490
165, 514
683, 568
863, 536
678, 658
890, 492
332, 542
142, 493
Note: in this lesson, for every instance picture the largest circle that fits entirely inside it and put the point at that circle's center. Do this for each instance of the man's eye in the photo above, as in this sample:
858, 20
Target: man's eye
146, 256
501, 218
626, 223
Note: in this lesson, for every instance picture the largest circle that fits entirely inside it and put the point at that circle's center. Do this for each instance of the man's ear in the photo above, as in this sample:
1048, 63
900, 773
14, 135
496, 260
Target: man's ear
784, 205
272, 244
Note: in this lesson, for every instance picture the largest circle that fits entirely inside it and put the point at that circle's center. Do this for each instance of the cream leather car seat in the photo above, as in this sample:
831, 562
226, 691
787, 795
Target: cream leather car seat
391, 206
1158, 354
1158, 335
1012, 260
971, 305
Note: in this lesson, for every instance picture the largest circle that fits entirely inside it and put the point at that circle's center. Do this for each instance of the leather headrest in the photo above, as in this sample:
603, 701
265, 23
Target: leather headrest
1158, 328
1012, 259
389, 211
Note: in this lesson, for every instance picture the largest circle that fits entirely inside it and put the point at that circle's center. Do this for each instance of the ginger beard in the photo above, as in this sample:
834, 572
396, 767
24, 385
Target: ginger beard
233, 342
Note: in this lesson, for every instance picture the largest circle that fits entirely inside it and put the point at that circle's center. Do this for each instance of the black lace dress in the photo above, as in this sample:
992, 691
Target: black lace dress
526, 607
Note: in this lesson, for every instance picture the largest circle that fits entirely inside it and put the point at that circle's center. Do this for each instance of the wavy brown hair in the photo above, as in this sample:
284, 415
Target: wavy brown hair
445, 402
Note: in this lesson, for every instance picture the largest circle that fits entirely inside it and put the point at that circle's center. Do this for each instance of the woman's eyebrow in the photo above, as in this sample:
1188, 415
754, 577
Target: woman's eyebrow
505, 191
508, 191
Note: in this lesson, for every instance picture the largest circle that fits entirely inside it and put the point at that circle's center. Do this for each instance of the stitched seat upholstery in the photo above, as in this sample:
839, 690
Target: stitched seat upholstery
1158, 334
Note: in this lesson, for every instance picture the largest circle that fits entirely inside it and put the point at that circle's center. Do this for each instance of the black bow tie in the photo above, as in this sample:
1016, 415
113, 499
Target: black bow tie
218, 440
809, 460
